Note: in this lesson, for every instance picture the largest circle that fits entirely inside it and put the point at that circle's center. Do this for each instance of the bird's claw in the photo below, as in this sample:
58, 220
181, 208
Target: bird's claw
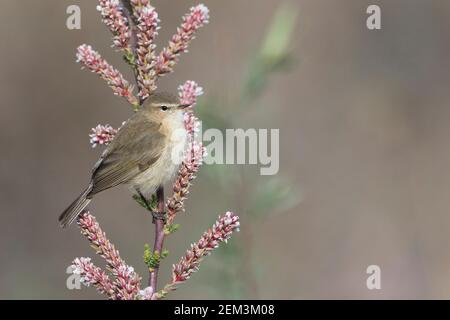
159, 216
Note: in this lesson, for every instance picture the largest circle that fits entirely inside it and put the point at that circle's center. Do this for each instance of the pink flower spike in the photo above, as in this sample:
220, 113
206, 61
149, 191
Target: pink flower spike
188, 170
195, 19
94, 62
191, 124
189, 92
102, 135
127, 280
147, 24
117, 22
92, 275
220, 232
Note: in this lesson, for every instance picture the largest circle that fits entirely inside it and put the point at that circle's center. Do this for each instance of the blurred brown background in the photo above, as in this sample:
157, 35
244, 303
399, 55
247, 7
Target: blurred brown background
364, 126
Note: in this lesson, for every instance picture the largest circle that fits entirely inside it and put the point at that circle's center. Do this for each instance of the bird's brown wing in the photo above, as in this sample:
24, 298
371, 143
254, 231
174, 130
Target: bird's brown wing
137, 145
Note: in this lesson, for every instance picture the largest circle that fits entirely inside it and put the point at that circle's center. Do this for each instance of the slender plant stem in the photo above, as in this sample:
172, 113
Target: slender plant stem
128, 11
159, 237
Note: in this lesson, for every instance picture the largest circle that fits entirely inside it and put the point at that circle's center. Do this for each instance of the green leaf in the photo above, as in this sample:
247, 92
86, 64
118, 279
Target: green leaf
140, 201
148, 256
170, 229
154, 202
130, 58
164, 253
153, 259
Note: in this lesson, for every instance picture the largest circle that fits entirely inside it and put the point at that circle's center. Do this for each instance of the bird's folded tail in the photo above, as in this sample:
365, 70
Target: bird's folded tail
74, 210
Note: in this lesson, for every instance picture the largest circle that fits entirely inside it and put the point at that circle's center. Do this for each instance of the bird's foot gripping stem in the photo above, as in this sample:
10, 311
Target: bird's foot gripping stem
159, 216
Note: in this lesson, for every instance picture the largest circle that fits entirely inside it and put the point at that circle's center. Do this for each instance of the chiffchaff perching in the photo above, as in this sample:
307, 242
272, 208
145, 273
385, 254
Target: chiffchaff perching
141, 154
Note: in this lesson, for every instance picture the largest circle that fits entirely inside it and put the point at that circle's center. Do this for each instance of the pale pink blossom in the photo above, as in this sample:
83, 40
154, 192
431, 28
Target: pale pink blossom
194, 154
102, 135
221, 231
94, 62
134, 31
147, 25
191, 164
114, 17
191, 124
127, 280
188, 94
147, 294
195, 19
92, 275
189, 91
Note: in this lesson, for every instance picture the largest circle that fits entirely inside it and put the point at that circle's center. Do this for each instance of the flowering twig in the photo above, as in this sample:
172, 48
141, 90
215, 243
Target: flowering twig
92, 275
127, 281
220, 232
134, 25
189, 92
126, 285
195, 19
114, 16
187, 173
102, 135
94, 62
147, 21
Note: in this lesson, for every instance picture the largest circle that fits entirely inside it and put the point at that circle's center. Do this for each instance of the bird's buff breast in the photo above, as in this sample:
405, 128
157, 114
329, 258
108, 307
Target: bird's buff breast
165, 168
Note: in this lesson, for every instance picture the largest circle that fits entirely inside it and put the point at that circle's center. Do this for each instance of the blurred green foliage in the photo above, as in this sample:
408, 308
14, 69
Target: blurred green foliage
253, 201
274, 54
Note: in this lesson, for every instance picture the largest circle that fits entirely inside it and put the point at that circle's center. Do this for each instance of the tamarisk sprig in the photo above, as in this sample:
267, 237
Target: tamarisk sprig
134, 25
220, 232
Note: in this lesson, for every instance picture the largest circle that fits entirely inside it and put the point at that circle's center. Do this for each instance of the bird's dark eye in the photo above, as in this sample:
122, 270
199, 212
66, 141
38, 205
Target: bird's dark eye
164, 108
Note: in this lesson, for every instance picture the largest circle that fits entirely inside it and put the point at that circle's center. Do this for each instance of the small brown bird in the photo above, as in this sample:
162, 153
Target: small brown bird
144, 154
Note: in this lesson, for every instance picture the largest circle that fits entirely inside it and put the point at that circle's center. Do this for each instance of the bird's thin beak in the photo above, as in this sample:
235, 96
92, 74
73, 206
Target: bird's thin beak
183, 106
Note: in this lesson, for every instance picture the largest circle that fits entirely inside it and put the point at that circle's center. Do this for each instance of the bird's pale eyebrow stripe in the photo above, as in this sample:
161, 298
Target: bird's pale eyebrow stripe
170, 105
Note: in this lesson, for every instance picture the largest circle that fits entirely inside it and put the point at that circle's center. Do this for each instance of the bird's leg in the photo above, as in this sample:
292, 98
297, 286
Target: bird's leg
159, 213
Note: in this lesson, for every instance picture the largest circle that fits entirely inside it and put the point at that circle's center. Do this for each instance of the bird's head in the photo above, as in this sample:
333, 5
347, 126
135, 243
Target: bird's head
162, 105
